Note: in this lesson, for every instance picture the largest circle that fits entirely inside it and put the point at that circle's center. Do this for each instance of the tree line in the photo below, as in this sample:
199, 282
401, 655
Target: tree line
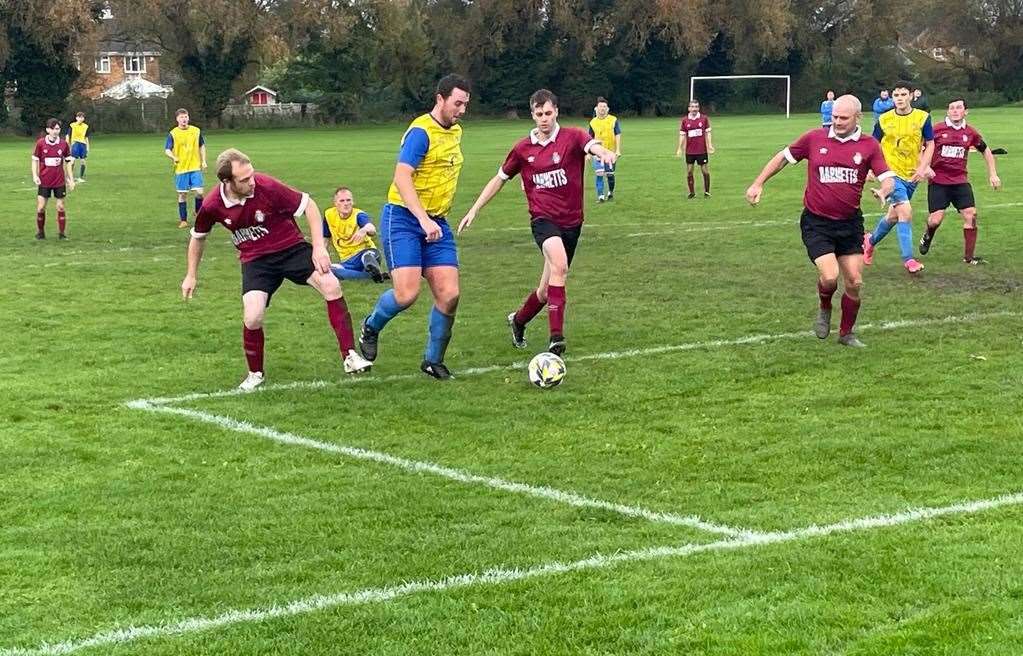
365, 59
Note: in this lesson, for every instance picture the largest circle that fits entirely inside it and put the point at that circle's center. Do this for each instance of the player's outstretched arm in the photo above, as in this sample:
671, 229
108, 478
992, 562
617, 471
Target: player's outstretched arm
773, 166
195, 248
321, 258
488, 193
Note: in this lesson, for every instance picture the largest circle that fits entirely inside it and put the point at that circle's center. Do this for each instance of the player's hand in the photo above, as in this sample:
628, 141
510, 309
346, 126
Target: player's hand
678, 153
996, 182
710, 150
70, 184
879, 195
321, 259
188, 287
609, 158
204, 166
870, 175
753, 194
36, 180
357, 236
432, 229
466, 221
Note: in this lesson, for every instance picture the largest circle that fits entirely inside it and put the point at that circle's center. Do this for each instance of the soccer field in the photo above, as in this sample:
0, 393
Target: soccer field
709, 479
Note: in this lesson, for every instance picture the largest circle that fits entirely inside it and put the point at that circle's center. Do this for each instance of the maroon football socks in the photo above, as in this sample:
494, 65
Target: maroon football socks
341, 322
253, 342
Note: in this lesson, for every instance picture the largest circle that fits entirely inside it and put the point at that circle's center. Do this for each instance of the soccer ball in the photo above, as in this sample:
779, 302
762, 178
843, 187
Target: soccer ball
546, 370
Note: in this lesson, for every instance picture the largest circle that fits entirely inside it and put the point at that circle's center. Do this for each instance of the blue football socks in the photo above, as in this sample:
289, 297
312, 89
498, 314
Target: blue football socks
440, 335
905, 232
386, 309
882, 229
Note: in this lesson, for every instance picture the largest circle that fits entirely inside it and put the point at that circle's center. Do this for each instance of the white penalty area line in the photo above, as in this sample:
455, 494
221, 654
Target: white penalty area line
609, 355
498, 576
458, 475
675, 227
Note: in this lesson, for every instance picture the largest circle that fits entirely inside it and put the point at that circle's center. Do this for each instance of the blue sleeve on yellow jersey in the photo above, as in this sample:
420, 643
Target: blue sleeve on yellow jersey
202, 140
414, 147
169, 144
591, 131
878, 132
362, 219
928, 130
326, 230
618, 129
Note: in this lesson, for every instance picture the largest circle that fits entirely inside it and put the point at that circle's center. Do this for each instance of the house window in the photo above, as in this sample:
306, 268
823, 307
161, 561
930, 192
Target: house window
134, 64
103, 64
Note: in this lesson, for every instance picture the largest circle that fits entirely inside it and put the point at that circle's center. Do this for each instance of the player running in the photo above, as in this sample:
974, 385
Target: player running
953, 139
838, 160
414, 231
907, 141
552, 161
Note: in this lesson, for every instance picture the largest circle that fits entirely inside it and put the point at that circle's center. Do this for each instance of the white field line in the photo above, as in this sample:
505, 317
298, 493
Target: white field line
496, 576
983, 207
610, 355
421, 467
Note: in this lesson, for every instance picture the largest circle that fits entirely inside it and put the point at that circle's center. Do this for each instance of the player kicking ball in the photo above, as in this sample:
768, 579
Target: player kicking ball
260, 213
551, 160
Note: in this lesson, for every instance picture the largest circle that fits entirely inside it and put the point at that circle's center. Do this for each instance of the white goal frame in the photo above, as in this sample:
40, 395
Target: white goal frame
787, 78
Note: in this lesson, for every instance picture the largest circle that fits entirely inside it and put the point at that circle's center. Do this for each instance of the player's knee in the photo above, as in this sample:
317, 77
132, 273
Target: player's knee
829, 281
253, 320
853, 285
447, 299
328, 285
405, 296
970, 218
559, 270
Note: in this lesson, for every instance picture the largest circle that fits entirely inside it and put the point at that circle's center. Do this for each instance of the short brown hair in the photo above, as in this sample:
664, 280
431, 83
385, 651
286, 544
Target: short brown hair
601, 99
82, 114
447, 85
52, 123
225, 163
342, 188
541, 97
180, 111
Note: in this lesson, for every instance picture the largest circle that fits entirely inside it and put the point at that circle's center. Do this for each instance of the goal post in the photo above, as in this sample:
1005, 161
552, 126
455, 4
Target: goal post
787, 78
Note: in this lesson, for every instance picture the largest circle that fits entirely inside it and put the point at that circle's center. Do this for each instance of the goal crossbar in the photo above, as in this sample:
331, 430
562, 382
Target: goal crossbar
787, 78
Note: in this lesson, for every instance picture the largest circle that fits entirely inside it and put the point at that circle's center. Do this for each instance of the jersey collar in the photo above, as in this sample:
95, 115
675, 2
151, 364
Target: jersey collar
855, 136
228, 201
534, 135
691, 117
952, 125
52, 143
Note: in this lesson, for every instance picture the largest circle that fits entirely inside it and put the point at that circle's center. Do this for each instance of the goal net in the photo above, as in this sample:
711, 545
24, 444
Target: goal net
788, 84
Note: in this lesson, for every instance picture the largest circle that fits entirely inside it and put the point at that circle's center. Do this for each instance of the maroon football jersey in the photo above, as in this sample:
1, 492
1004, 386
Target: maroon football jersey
695, 130
552, 174
260, 224
51, 158
837, 170
951, 146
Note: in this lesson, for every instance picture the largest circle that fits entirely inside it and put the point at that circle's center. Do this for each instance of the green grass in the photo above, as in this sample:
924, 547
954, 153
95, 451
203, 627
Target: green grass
114, 517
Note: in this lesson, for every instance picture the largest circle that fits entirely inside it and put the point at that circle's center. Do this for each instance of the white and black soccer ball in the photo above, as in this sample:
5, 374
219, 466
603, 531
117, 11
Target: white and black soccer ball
546, 370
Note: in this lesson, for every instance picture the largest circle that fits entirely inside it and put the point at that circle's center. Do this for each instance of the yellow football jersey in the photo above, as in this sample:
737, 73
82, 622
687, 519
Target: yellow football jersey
79, 132
341, 231
436, 154
605, 129
902, 138
185, 146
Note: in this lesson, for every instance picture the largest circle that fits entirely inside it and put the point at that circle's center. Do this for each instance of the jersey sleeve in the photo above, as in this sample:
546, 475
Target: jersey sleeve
204, 220
798, 150
287, 198
707, 123
878, 132
978, 142
618, 127
414, 145
37, 152
202, 138
591, 130
512, 165
585, 141
362, 219
67, 149
169, 143
927, 130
